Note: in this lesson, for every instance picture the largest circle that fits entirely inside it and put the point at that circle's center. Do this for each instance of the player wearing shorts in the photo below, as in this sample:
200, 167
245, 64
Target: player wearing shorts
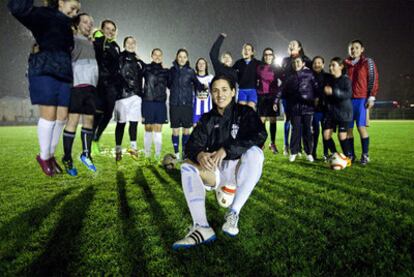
50, 70
226, 143
154, 109
83, 95
364, 76
128, 106
110, 80
268, 77
202, 100
246, 69
337, 106
183, 84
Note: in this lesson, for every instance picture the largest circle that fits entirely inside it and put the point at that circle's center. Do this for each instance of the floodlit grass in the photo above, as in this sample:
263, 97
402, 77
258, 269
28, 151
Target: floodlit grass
302, 218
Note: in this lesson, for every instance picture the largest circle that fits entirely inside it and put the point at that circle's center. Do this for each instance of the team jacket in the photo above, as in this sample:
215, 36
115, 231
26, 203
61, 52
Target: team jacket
247, 73
52, 32
299, 90
359, 75
287, 67
132, 72
156, 82
220, 68
238, 129
339, 104
320, 79
183, 83
268, 76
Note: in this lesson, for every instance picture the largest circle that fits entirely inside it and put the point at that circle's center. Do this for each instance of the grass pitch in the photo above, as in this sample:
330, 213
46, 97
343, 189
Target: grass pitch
302, 218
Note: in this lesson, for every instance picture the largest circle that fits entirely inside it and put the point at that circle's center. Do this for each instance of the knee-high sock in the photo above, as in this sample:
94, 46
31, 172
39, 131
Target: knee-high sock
57, 132
325, 148
157, 137
176, 143
45, 134
184, 140
272, 132
351, 147
345, 146
68, 138
133, 129
194, 193
248, 175
147, 143
365, 145
119, 133
86, 137
330, 144
286, 134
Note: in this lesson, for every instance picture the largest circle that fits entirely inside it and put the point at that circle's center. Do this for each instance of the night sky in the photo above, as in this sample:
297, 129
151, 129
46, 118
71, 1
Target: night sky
324, 28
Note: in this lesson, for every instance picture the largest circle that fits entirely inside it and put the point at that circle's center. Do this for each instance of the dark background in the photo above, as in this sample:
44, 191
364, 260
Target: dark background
324, 27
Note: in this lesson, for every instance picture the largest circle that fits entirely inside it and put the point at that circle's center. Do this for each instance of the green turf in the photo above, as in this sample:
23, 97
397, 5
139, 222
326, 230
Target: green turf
302, 218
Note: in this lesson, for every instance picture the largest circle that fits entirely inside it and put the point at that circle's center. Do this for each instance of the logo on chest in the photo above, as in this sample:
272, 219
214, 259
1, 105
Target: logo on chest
234, 130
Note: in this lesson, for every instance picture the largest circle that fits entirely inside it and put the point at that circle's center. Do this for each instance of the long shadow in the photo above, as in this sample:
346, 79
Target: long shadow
63, 247
20, 228
130, 233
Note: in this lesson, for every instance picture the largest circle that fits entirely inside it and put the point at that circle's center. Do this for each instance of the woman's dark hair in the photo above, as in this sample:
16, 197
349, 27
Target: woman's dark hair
108, 21
55, 3
182, 50
126, 38
318, 57
338, 60
77, 19
196, 65
155, 49
267, 49
230, 81
356, 41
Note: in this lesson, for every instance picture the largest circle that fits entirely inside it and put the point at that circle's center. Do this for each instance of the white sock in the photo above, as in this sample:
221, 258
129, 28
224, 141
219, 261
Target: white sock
248, 175
157, 137
45, 134
147, 143
194, 193
134, 145
57, 133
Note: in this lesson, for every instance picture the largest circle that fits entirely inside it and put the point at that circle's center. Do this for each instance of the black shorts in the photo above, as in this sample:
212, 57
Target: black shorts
181, 116
265, 106
83, 100
330, 123
154, 112
106, 98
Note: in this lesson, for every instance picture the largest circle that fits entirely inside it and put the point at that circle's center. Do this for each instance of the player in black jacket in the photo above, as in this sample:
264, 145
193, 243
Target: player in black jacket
223, 65
227, 143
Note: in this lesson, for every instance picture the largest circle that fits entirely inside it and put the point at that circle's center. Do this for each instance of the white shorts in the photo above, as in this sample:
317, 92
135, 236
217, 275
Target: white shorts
128, 109
228, 172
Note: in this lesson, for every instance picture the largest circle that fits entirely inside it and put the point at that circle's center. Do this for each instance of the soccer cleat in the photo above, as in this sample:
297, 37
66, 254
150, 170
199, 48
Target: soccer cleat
118, 156
348, 162
45, 166
68, 164
286, 150
273, 148
310, 158
133, 153
197, 235
292, 157
177, 156
96, 149
230, 226
364, 159
55, 166
87, 161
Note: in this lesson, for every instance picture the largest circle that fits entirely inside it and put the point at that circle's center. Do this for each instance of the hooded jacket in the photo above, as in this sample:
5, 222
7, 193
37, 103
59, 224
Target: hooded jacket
359, 75
156, 82
339, 104
132, 72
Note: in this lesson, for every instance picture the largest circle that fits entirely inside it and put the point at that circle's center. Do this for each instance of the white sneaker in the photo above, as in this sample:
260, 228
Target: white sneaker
197, 235
230, 226
292, 158
177, 155
310, 158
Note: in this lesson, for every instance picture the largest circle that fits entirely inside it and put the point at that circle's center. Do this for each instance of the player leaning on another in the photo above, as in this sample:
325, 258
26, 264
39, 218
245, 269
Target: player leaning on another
83, 94
50, 70
364, 76
226, 141
128, 106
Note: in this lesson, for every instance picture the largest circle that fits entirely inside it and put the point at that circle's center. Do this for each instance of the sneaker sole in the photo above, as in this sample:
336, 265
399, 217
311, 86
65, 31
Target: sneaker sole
187, 246
230, 235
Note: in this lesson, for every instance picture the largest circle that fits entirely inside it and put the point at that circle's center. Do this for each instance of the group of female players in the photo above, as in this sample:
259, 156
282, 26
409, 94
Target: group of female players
77, 73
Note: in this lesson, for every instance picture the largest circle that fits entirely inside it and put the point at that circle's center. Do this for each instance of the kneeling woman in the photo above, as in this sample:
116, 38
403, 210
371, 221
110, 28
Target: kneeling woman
338, 109
226, 142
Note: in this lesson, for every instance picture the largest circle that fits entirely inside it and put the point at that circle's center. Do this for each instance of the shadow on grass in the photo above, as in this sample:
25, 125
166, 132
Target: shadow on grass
129, 231
18, 230
63, 246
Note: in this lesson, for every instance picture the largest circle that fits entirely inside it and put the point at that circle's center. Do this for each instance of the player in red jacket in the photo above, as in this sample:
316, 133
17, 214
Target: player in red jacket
363, 73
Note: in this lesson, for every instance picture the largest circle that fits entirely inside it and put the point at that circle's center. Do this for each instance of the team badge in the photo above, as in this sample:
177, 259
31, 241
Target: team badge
234, 130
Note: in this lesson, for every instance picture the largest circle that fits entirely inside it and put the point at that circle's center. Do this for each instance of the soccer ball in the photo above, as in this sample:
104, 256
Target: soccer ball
169, 161
225, 195
338, 161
